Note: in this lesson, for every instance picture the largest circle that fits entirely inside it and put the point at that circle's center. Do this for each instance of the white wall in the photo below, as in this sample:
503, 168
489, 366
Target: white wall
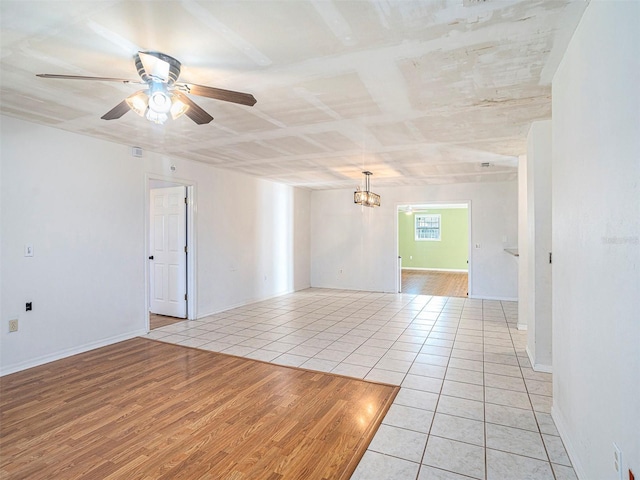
81, 202
596, 241
538, 270
301, 239
252, 236
362, 242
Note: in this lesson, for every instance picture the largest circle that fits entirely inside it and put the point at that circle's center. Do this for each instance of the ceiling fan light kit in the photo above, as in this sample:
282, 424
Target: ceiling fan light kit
178, 108
366, 197
138, 102
163, 96
159, 102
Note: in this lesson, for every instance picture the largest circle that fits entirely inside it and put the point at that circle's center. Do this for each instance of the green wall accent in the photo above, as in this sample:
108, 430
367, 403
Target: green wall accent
450, 252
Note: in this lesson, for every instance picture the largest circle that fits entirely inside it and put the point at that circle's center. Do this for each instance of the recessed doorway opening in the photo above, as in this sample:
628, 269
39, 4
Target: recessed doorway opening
170, 252
158, 321
433, 248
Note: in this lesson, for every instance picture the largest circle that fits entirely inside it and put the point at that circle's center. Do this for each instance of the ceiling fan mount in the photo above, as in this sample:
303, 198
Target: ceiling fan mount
163, 95
172, 63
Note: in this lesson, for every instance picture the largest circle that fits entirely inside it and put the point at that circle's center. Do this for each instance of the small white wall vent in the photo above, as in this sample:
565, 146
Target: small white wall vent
136, 152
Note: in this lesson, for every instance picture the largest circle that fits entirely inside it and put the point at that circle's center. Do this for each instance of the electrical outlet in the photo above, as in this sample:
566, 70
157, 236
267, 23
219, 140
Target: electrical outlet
617, 462
13, 325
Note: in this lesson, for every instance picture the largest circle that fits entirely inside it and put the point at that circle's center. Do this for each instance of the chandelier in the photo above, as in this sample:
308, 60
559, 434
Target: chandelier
366, 197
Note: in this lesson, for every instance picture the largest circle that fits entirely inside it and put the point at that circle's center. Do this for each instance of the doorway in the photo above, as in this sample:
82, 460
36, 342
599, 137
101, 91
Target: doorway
433, 249
170, 252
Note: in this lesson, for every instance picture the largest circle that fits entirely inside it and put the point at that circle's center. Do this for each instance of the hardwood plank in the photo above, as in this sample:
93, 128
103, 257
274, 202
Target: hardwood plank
157, 321
443, 284
143, 409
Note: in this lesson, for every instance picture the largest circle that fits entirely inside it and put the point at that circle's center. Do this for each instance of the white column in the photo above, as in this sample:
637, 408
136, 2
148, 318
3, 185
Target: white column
538, 267
523, 248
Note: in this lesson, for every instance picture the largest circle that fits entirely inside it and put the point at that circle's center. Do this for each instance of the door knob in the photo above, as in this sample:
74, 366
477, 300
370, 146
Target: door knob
151, 257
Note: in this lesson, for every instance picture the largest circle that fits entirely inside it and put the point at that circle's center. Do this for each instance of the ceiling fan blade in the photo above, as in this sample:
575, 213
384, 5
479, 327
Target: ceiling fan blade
194, 112
117, 111
155, 67
81, 77
218, 94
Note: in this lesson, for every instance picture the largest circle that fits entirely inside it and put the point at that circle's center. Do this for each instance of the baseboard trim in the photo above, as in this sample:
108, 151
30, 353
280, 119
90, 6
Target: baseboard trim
532, 360
452, 270
502, 299
352, 289
561, 425
7, 370
538, 367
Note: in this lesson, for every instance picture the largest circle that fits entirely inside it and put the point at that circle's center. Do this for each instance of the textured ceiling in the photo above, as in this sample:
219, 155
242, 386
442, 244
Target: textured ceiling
418, 92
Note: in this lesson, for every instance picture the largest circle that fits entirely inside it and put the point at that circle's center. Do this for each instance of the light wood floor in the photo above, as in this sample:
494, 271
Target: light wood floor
445, 284
142, 409
157, 321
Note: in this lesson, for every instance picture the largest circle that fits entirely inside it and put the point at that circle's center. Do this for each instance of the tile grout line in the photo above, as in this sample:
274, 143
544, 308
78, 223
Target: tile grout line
424, 451
435, 408
544, 445
484, 400
389, 318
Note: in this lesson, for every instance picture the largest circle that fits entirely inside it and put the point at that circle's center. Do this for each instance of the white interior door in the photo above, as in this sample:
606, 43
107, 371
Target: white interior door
168, 252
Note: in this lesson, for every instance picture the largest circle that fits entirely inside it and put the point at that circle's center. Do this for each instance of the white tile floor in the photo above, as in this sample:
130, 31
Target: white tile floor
470, 405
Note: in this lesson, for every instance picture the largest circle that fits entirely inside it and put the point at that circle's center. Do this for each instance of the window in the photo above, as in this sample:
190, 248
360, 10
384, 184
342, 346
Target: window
428, 227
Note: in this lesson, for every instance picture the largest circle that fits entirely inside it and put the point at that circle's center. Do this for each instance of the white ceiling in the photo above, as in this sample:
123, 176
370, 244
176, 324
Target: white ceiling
418, 92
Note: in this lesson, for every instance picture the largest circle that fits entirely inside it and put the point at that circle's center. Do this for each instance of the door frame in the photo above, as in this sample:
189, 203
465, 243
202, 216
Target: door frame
191, 188
398, 273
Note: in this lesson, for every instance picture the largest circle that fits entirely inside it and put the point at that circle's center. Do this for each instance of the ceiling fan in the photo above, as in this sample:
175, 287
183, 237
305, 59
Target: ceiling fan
162, 95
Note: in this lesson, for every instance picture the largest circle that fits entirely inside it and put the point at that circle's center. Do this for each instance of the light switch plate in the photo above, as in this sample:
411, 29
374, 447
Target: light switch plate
617, 461
28, 250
